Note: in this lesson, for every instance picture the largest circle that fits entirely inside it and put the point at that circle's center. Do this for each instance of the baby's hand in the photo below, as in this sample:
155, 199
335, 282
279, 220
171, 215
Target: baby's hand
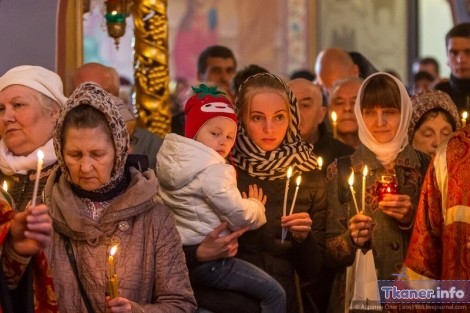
255, 192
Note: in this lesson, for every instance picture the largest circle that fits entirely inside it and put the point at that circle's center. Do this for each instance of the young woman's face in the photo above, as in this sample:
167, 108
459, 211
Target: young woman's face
431, 133
267, 120
89, 156
382, 123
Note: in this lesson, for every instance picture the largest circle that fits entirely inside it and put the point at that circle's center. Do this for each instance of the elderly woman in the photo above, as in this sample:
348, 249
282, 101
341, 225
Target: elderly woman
383, 111
31, 98
435, 117
98, 198
268, 143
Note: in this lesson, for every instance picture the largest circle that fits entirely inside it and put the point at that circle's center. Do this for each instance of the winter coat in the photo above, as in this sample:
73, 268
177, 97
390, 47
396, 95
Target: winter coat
263, 246
389, 239
201, 189
149, 263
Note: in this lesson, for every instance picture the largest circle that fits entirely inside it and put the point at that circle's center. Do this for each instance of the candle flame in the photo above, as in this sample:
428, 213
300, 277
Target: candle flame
289, 172
40, 155
351, 179
333, 116
365, 171
5, 186
320, 162
298, 180
113, 251
465, 115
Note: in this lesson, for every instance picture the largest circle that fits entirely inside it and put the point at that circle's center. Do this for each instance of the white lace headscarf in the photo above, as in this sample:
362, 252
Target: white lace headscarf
386, 153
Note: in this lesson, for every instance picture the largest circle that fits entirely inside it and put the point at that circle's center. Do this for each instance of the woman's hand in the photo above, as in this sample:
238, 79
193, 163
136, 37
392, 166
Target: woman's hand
118, 304
299, 224
214, 247
255, 192
398, 207
360, 227
31, 231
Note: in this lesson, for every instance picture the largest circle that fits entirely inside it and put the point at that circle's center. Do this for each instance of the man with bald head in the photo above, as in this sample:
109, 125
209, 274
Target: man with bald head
334, 64
312, 129
142, 141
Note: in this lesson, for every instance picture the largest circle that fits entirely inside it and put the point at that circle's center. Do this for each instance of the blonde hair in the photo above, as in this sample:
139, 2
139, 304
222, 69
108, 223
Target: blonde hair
255, 85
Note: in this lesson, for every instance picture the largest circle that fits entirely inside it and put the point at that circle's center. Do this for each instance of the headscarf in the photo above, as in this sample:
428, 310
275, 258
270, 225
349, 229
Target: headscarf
38, 78
427, 101
386, 152
271, 165
92, 94
47, 83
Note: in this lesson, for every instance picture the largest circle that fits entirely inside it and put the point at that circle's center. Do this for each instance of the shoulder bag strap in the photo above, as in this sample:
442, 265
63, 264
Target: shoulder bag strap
73, 262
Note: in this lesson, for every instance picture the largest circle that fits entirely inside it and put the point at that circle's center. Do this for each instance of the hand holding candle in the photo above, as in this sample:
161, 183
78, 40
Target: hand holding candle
334, 123
112, 276
353, 193
40, 155
364, 181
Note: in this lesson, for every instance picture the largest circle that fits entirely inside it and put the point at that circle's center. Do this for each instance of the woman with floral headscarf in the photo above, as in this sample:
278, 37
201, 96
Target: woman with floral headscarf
383, 111
98, 198
268, 143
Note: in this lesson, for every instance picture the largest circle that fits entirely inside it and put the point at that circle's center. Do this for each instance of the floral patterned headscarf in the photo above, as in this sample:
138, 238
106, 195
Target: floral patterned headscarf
93, 95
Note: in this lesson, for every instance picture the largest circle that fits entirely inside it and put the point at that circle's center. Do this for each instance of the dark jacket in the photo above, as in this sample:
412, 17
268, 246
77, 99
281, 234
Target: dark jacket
263, 246
458, 90
329, 148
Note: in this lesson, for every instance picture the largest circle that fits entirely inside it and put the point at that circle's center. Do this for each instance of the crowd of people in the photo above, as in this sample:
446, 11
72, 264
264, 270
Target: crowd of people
234, 211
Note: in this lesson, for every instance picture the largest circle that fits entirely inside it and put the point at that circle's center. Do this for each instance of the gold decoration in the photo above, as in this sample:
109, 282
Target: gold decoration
151, 65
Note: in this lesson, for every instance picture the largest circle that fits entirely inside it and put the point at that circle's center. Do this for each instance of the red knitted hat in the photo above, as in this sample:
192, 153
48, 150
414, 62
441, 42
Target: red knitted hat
206, 103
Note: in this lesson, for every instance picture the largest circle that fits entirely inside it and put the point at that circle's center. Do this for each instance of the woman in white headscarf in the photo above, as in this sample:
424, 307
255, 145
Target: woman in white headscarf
31, 98
383, 111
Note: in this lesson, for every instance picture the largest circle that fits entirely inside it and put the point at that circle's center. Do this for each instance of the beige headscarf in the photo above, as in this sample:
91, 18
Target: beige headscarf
386, 152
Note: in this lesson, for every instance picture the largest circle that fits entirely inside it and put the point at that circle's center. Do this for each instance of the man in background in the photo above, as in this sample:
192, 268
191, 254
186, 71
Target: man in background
141, 140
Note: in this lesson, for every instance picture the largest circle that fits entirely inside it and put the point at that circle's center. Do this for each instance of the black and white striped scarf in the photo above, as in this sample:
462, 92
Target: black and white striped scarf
272, 165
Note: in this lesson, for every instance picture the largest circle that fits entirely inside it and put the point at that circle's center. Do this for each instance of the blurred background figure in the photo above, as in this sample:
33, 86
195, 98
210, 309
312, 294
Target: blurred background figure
217, 65
366, 68
342, 99
429, 65
422, 81
334, 64
142, 141
435, 118
304, 73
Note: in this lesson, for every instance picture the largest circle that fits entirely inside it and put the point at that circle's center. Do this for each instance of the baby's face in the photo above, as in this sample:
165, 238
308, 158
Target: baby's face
218, 133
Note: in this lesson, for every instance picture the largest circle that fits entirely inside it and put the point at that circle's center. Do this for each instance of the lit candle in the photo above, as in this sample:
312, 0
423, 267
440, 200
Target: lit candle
5, 186
364, 176
334, 118
320, 163
112, 276
464, 118
40, 155
353, 193
289, 174
284, 207
295, 194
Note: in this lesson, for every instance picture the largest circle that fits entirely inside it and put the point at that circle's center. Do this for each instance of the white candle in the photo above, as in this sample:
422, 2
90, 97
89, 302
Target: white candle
334, 118
5, 186
320, 163
295, 195
464, 118
353, 193
40, 155
364, 176
289, 174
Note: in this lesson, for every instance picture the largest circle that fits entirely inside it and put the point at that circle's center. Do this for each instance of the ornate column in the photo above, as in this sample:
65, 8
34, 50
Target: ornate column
152, 96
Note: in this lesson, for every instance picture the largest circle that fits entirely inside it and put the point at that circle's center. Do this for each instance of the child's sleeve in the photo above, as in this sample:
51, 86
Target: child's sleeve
221, 193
